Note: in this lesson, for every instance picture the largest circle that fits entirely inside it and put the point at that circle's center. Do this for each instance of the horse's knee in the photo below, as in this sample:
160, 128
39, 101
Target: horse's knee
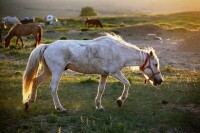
101, 90
53, 91
127, 83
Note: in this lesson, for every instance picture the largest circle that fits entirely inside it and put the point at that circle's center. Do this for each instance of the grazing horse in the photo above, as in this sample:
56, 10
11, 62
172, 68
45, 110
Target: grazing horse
24, 30
27, 20
11, 20
93, 22
106, 56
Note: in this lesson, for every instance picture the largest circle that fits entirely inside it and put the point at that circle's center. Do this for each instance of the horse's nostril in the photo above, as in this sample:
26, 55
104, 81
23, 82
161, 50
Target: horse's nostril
160, 81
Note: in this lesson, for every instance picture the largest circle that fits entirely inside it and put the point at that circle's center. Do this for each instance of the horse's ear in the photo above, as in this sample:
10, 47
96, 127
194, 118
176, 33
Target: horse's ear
151, 54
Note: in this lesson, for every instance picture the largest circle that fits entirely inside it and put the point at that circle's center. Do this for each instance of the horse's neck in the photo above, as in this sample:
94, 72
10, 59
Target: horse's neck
135, 58
11, 34
143, 56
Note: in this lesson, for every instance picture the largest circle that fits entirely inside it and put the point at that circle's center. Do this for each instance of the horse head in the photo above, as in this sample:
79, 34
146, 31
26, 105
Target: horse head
7, 42
151, 69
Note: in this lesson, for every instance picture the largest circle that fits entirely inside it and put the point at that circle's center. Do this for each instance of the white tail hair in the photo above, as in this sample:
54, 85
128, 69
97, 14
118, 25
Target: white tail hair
31, 71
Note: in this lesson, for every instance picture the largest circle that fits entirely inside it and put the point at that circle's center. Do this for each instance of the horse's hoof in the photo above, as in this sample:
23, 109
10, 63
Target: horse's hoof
26, 106
61, 110
119, 102
101, 109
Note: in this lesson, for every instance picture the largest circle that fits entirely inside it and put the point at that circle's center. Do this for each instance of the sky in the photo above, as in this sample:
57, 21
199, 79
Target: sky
66, 8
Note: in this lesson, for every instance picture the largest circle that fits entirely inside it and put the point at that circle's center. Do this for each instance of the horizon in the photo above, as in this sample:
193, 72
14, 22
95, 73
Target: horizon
72, 8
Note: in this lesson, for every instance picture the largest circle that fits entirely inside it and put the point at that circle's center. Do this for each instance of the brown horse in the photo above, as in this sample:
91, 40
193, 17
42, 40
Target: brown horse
93, 22
24, 30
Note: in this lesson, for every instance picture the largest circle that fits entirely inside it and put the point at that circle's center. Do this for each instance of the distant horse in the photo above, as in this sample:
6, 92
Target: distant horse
27, 20
106, 56
93, 22
52, 20
11, 20
24, 30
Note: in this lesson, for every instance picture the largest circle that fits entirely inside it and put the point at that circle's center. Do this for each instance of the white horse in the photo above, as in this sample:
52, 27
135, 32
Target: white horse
11, 20
106, 56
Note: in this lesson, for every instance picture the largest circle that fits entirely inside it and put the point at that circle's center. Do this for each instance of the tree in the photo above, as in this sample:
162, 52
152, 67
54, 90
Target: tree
88, 11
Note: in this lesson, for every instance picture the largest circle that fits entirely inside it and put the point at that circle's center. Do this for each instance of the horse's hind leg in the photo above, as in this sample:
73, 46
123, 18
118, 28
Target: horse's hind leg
101, 89
45, 75
126, 83
54, 86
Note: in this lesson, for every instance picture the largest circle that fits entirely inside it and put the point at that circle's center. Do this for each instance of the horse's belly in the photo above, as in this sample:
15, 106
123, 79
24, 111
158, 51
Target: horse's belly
87, 68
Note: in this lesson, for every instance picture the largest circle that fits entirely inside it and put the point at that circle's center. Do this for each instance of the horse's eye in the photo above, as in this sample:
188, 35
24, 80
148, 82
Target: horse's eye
156, 65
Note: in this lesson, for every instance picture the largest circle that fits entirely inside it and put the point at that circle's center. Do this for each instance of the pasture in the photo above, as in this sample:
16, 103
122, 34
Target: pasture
172, 107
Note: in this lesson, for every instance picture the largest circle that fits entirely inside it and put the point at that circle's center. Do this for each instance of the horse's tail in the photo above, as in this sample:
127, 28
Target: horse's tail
40, 34
100, 24
31, 71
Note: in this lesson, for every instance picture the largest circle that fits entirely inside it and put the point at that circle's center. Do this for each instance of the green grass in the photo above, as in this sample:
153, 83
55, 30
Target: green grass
143, 111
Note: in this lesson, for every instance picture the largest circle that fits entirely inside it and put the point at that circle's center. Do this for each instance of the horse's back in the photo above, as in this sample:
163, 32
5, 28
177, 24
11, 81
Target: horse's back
87, 56
26, 29
99, 45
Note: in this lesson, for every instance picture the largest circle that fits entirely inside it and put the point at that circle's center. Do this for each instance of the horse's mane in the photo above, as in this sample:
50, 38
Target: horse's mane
14, 26
126, 44
11, 30
150, 49
123, 42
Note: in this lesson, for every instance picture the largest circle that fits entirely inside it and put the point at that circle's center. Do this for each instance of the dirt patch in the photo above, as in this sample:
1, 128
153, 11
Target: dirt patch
141, 31
190, 44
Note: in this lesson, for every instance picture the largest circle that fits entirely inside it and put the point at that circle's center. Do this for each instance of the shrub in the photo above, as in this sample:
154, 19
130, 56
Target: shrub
88, 11
63, 38
85, 29
85, 38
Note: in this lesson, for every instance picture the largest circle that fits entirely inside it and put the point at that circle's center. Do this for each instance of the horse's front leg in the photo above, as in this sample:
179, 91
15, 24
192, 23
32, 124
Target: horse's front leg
101, 89
126, 83
54, 87
17, 40
21, 41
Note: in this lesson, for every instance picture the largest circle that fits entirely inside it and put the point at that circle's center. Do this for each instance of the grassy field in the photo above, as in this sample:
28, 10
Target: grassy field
172, 107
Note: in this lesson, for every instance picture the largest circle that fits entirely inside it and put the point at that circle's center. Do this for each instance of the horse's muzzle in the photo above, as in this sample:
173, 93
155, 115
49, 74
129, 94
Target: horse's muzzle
157, 82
